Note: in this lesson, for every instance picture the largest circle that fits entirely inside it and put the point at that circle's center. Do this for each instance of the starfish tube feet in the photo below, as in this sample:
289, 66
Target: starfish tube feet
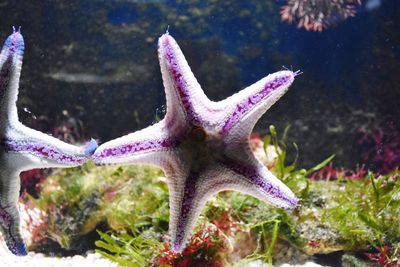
15, 43
202, 145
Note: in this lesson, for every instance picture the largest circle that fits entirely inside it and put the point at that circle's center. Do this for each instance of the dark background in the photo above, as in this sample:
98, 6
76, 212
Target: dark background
350, 85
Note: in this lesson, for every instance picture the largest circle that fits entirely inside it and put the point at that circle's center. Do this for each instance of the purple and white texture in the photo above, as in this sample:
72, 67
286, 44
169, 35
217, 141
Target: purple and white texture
203, 146
22, 148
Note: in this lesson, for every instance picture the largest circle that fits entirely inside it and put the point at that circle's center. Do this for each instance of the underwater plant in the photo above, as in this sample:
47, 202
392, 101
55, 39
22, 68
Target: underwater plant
383, 258
22, 148
317, 15
329, 172
203, 146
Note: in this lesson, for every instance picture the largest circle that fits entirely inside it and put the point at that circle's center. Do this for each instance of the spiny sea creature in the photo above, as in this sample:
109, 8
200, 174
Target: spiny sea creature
203, 146
22, 148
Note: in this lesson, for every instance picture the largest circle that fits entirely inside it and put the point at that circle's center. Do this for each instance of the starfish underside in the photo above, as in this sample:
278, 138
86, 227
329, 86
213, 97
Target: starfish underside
22, 148
203, 146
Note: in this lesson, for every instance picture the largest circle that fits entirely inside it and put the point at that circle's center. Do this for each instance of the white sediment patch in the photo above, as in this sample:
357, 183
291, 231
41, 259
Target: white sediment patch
259, 263
40, 260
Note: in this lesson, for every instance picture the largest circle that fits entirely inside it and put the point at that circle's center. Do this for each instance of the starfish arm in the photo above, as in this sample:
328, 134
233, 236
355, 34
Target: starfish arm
9, 214
34, 149
186, 100
243, 109
10, 71
187, 198
152, 145
39, 150
256, 180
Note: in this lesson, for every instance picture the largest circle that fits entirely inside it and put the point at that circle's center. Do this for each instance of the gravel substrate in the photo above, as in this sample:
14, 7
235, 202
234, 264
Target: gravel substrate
40, 260
92, 259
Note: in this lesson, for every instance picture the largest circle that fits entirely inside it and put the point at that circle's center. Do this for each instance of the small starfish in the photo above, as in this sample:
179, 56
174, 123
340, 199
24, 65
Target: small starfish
22, 148
203, 146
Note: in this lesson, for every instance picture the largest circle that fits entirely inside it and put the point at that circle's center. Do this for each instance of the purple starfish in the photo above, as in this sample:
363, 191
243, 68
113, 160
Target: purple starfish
203, 146
22, 148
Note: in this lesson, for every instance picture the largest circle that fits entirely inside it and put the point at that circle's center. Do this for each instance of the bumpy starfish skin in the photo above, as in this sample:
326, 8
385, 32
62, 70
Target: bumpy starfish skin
22, 148
203, 146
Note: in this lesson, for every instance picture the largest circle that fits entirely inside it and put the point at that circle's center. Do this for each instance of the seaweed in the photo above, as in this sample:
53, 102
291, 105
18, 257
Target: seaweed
129, 248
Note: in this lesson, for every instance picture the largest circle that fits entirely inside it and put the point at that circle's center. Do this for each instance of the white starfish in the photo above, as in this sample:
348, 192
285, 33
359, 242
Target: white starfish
203, 146
22, 148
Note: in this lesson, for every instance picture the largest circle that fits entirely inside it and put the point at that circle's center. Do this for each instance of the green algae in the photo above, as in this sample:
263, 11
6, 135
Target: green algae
354, 215
128, 248
366, 212
77, 200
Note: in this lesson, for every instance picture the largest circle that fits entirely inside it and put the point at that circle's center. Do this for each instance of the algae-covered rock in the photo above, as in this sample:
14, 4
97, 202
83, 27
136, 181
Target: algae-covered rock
76, 202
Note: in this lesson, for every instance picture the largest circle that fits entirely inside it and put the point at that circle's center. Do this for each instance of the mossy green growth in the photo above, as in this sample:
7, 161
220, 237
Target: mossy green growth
340, 214
129, 248
77, 200
365, 212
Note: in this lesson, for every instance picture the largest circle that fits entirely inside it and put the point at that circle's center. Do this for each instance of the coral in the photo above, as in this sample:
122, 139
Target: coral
317, 15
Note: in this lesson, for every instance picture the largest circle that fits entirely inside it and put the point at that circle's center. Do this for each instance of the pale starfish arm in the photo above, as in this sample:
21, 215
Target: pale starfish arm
39, 150
10, 71
258, 182
152, 145
240, 161
186, 100
9, 215
248, 105
187, 198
